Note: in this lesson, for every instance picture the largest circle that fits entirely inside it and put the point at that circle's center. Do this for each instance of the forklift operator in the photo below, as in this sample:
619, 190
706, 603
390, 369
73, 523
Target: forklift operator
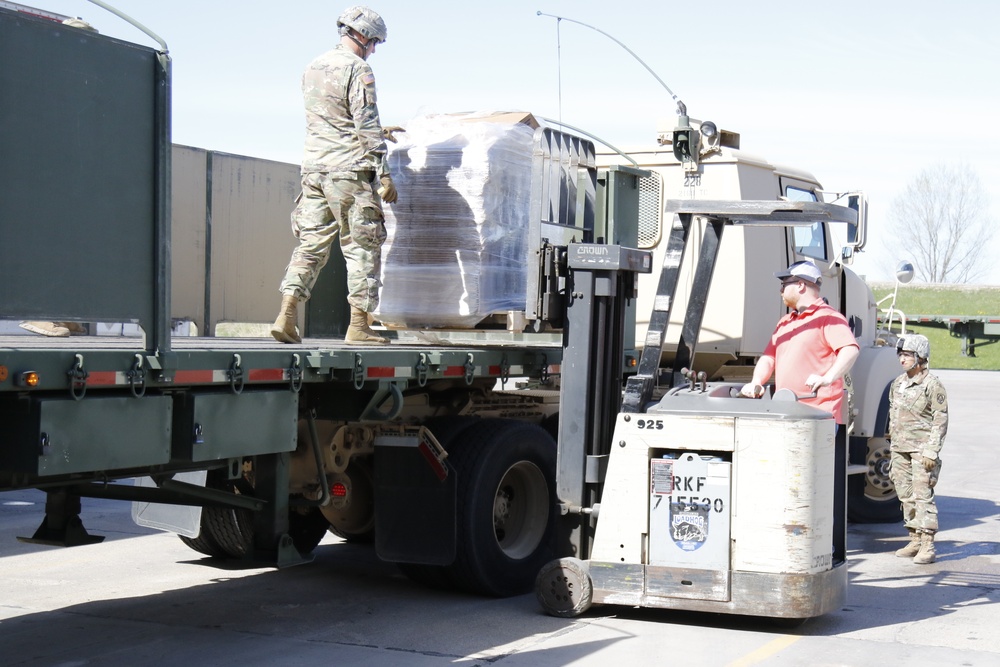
812, 347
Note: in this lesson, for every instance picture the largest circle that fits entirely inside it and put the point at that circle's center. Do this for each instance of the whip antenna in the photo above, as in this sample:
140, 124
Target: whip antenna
681, 107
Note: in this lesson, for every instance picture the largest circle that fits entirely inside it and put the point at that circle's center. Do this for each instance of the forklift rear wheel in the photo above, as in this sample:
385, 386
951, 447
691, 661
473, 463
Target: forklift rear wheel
564, 589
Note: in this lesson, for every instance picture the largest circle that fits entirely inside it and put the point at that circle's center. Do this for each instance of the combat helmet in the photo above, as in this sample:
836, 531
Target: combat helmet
364, 20
915, 343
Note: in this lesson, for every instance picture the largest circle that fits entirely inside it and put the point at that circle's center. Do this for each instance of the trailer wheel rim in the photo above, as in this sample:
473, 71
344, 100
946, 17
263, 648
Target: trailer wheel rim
520, 510
878, 486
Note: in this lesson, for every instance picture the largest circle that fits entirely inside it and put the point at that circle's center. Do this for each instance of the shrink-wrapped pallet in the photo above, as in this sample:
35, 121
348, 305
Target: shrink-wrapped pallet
457, 236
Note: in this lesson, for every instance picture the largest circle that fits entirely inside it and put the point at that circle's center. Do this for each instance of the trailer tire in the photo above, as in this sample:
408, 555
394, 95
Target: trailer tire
231, 529
229, 533
871, 497
506, 506
219, 536
204, 544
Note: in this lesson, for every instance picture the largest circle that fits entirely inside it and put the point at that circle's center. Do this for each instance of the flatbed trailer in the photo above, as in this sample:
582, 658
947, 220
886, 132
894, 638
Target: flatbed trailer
83, 412
284, 436
974, 331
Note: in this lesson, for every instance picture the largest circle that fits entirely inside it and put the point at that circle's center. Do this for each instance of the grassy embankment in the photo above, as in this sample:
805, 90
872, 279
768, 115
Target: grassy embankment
946, 352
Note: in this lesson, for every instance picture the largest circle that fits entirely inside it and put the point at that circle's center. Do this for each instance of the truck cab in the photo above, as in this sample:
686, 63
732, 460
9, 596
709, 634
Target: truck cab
697, 161
742, 308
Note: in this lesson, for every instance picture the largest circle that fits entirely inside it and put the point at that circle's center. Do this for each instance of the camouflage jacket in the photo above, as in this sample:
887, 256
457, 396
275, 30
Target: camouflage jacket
343, 132
918, 414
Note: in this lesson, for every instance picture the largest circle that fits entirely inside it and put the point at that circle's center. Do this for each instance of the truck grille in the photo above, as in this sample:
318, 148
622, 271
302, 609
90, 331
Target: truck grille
650, 205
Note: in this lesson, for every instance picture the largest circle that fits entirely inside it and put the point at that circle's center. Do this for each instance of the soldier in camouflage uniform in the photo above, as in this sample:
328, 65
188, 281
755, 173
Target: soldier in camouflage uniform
918, 422
345, 159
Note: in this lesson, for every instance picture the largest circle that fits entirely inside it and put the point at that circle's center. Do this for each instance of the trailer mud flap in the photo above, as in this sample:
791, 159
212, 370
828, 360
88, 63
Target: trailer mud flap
415, 503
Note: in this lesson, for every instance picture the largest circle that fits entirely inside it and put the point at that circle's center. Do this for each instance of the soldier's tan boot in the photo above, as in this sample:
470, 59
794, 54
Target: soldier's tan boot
283, 328
54, 329
359, 331
926, 555
912, 547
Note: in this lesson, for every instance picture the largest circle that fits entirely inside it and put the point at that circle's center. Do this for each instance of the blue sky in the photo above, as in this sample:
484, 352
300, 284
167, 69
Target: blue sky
862, 94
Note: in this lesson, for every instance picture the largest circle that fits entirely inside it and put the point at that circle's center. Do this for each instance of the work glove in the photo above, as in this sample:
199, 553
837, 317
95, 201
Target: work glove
387, 191
929, 463
388, 133
752, 390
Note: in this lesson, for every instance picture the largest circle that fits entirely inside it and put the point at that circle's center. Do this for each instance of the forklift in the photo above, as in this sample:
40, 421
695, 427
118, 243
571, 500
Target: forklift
677, 493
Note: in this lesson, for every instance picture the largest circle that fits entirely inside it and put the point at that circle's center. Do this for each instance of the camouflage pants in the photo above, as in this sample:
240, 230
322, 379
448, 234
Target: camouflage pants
329, 208
915, 488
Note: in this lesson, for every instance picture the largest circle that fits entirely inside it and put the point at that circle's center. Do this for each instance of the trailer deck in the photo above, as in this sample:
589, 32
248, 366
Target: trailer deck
109, 362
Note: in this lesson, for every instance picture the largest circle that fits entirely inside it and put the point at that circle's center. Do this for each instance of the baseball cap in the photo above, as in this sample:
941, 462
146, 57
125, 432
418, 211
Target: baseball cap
804, 270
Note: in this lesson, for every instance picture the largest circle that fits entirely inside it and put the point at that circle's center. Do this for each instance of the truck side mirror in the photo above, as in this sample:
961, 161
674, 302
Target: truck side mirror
904, 272
857, 234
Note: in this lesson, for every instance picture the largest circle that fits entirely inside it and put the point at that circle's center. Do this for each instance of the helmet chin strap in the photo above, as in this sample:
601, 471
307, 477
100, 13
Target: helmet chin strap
361, 45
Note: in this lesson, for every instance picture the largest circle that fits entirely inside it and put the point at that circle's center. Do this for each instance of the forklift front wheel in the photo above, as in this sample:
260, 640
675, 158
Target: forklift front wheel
564, 589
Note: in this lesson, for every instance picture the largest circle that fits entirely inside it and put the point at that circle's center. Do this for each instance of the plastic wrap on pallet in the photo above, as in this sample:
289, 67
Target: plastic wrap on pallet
457, 237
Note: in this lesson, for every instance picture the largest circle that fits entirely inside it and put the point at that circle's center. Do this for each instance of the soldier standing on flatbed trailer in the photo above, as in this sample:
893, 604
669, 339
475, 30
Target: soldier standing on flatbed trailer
345, 153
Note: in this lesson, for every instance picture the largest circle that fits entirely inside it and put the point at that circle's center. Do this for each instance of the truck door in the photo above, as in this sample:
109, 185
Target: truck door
812, 242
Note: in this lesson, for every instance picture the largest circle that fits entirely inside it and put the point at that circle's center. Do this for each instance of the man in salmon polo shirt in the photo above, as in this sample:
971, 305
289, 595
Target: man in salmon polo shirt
811, 349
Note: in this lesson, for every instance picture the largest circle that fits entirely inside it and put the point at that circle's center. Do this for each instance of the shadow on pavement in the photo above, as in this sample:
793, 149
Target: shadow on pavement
346, 607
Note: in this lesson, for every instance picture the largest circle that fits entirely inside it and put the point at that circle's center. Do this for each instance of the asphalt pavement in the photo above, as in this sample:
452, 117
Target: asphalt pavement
144, 597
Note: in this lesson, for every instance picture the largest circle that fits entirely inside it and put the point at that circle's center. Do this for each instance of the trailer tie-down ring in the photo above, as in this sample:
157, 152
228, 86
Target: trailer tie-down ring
295, 374
235, 375
77, 379
358, 378
137, 378
421, 369
504, 371
470, 369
